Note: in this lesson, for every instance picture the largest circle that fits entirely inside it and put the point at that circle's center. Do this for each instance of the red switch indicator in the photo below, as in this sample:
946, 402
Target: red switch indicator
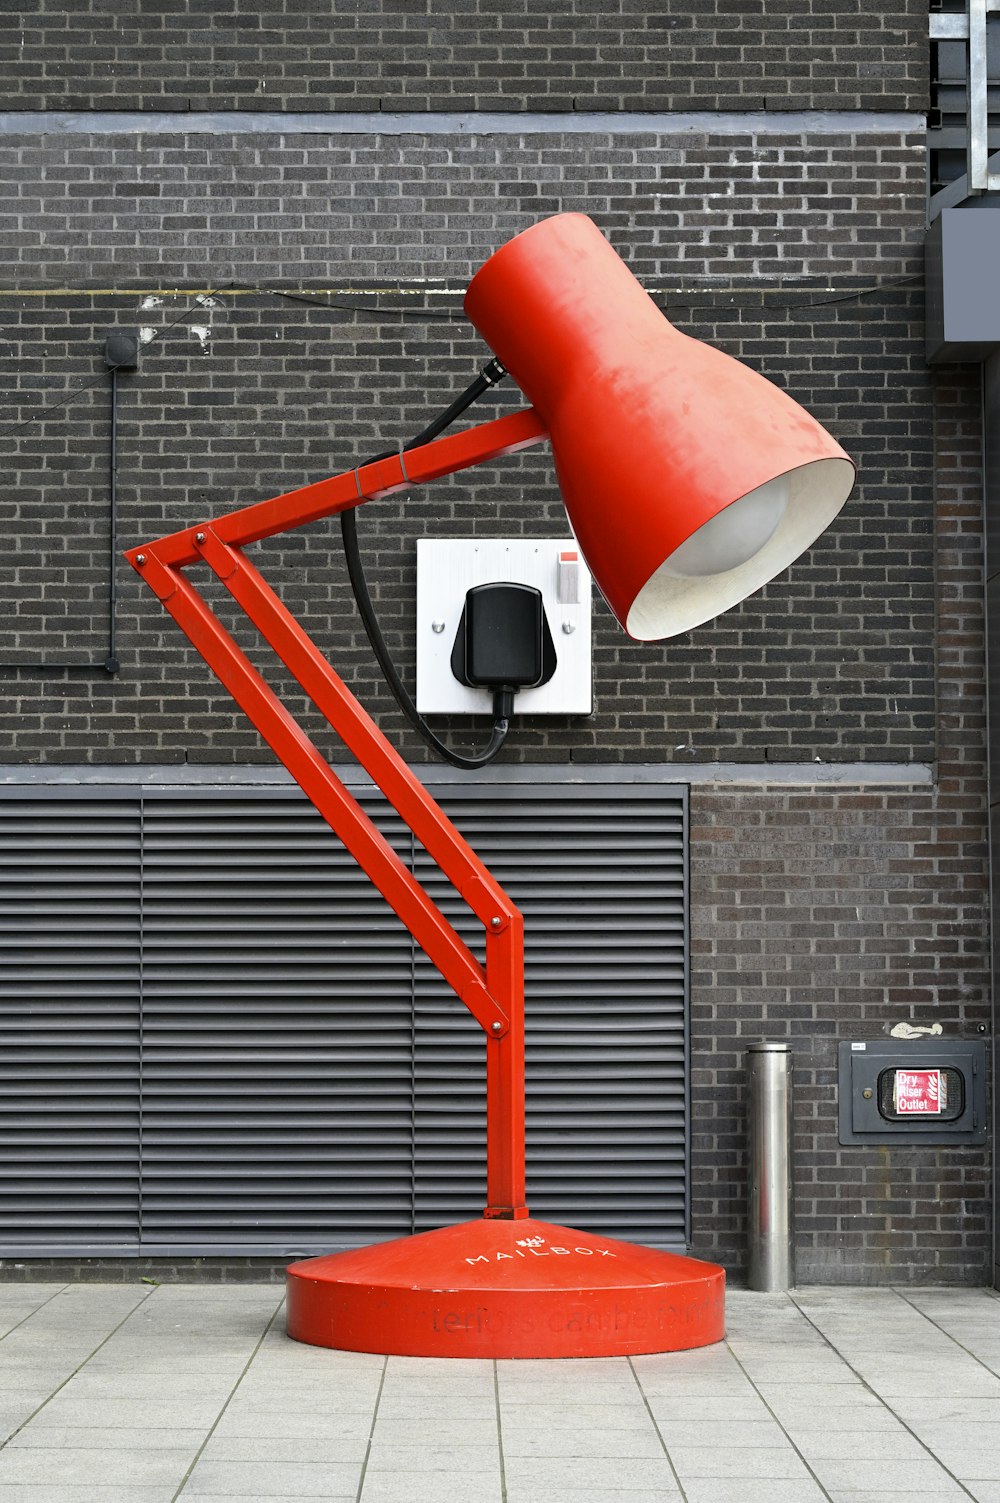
568, 578
919, 1093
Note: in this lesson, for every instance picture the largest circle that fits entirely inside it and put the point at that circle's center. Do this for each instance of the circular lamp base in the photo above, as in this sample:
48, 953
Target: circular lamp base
506, 1289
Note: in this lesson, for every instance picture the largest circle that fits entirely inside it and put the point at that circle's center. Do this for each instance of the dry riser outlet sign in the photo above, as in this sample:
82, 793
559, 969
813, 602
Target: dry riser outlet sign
919, 1093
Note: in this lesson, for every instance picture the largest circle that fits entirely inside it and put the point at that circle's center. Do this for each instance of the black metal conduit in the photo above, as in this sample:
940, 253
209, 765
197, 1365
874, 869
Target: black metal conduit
111, 664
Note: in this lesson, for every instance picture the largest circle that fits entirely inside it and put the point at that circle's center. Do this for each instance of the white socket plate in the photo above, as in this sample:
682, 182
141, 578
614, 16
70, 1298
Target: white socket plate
447, 568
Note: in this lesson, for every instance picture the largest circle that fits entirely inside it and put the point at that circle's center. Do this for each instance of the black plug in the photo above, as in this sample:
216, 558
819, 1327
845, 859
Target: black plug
503, 643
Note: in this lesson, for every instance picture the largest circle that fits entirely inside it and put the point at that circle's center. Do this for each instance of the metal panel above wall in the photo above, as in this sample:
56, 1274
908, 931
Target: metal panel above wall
991, 516
963, 252
219, 1038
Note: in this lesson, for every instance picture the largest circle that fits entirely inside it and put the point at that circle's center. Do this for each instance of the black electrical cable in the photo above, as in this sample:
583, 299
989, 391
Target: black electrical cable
663, 297
487, 378
340, 305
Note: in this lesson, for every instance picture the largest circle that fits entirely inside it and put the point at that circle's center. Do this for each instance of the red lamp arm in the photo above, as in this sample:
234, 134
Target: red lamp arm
495, 997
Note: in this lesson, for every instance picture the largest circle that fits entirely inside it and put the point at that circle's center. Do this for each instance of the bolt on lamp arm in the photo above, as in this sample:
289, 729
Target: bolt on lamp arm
495, 997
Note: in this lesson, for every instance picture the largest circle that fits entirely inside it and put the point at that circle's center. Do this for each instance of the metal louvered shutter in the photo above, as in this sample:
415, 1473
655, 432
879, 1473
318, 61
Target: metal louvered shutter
600, 875
69, 1023
220, 1039
277, 1031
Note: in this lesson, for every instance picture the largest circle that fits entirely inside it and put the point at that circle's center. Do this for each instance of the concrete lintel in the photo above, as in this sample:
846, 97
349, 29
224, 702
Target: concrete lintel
747, 774
471, 123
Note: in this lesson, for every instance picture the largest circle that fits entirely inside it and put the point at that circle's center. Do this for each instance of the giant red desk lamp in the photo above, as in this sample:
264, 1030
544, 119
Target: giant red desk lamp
689, 481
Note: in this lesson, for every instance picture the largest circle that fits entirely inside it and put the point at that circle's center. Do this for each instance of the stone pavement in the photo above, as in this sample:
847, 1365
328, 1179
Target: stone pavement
134, 1394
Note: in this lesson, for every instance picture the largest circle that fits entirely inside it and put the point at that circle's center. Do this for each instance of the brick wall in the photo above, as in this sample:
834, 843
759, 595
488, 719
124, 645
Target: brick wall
468, 55
822, 915
248, 394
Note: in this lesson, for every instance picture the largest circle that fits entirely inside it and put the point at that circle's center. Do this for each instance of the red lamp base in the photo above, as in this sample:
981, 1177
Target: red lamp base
506, 1289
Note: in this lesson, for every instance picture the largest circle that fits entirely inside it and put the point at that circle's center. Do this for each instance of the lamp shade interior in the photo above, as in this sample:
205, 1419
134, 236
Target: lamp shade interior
736, 535
740, 549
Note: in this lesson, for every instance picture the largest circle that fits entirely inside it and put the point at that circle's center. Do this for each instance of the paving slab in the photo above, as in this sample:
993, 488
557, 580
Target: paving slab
580, 1412
334, 1427
112, 1387
411, 1404
339, 1448
621, 1472
451, 1432
263, 1479
530, 1493
259, 1391
798, 1374
973, 1465
451, 1460
965, 1433
163, 1413
349, 1497
595, 1441
874, 1495
955, 1382
17, 1492
427, 1487
721, 1434
864, 1445
64, 1465
763, 1490
820, 1397
944, 1409
739, 1408
895, 1477
733, 1383
107, 1437
744, 1462
805, 1421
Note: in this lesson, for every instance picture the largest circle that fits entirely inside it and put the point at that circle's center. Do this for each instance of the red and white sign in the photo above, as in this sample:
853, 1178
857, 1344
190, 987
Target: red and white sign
918, 1093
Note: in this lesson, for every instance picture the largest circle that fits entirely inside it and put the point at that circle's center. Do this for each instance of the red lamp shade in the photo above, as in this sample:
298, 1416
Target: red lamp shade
689, 480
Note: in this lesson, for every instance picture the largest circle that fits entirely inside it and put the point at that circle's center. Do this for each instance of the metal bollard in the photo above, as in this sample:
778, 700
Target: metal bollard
770, 1220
